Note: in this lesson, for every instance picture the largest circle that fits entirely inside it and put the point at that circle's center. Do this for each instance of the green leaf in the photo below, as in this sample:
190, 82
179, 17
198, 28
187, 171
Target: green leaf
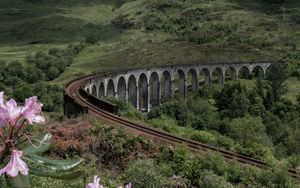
58, 165
51, 174
45, 145
19, 181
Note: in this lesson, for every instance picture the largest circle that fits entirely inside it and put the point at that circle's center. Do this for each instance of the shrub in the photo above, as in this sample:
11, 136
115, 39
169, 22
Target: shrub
211, 180
204, 137
278, 179
114, 147
165, 123
22, 92
174, 109
293, 161
179, 158
73, 137
204, 113
233, 101
126, 109
200, 163
248, 131
52, 73
144, 173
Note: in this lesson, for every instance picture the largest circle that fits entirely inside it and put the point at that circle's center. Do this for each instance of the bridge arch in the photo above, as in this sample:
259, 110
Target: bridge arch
121, 88
205, 74
256, 70
166, 89
132, 90
143, 92
217, 75
231, 73
154, 89
101, 92
94, 90
181, 85
244, 72
192, 79
110, 88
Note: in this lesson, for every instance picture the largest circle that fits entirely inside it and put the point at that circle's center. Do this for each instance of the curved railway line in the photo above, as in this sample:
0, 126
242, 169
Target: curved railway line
74, 91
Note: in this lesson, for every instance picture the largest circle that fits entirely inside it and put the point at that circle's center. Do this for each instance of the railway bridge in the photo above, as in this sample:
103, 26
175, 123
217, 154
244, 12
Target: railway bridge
78, 99
148, 87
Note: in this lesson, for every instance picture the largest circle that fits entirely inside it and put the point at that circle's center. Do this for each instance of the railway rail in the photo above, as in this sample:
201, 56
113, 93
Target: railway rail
74, 90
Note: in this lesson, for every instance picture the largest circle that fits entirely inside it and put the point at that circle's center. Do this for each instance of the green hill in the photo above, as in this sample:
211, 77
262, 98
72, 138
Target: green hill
141, 32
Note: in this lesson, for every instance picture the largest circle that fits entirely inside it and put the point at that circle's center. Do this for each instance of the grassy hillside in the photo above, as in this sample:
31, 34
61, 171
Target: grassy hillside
220, 23
138, 32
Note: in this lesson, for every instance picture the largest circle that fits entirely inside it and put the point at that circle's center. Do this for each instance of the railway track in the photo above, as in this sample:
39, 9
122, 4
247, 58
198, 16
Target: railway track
72, 89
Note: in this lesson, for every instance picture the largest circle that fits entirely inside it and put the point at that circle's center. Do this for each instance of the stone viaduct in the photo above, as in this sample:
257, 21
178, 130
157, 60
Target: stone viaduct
149, 87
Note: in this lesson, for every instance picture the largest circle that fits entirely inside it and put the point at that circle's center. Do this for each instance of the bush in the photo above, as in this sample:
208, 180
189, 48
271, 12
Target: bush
174, 109
211, 180
204, 114
233, 101
200, 163
91, 40
71, 138
293, 161
22, 92
248, 131
127, 109
204, 137
52, 73
180, 157
144, 173
278, 179
35, 74
165, 123
115, 147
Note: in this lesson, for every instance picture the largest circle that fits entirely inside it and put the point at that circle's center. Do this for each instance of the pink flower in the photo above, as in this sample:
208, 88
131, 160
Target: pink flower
15, 165
95, 184
9, 112
32, 111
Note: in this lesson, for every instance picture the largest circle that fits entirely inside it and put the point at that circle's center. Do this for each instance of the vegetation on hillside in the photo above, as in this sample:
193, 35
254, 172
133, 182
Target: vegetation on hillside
252, 122
118, 156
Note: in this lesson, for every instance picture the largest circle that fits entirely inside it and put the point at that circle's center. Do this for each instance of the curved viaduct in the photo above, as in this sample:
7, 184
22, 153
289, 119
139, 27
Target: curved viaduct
79, 100
148, 87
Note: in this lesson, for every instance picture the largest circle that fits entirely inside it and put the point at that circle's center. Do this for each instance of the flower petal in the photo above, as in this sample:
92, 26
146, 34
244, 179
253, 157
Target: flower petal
15, 165
32, 111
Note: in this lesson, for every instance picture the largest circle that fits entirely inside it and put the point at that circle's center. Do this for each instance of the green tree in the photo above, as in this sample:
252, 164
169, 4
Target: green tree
249, 131
16, 69
174, 109
22, 92
203, 114
35, 74
260, 85
233, 101
277, 76
52, 73
13, 82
